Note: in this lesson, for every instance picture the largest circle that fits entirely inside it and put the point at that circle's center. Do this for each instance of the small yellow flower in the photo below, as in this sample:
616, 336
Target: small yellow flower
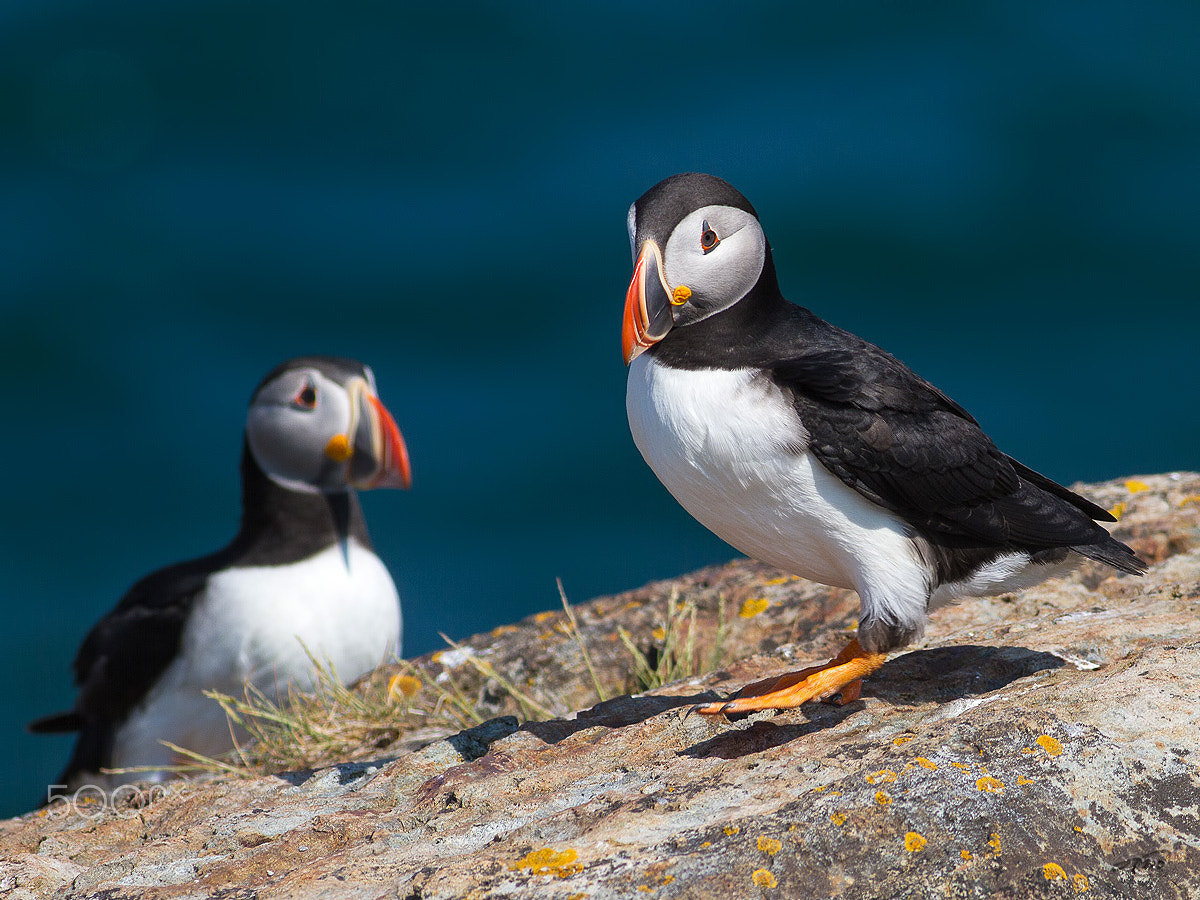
753, 607
1050, 745
990, 785
914, 843
403, 686
1053, 872
763, 878
770, 846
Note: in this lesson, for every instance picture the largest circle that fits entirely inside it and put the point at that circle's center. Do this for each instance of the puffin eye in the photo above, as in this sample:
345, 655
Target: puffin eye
708, 238
306, 397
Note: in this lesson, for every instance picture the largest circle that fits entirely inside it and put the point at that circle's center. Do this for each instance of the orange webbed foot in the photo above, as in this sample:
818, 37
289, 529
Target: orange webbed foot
844, 673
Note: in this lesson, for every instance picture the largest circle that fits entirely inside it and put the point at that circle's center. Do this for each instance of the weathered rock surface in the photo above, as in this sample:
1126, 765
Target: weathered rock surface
1045, 744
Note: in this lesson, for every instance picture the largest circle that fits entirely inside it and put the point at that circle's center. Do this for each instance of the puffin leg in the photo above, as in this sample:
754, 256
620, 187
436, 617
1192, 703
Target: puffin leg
843, 673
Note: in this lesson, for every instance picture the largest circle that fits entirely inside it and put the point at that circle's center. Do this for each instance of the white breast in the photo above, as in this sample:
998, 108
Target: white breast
253, 625
731, 449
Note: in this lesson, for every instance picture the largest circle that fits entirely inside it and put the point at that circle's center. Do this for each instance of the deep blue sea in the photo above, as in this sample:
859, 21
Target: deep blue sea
1004, 194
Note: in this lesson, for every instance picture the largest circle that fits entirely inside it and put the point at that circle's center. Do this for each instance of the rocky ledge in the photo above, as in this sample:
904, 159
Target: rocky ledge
1035, 745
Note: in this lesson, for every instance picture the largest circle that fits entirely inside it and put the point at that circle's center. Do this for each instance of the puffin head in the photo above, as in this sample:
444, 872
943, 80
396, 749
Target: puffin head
316, 424
698, 248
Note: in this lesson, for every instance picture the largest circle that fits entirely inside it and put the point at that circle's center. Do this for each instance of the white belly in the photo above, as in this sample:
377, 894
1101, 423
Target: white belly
253, 625
732, 451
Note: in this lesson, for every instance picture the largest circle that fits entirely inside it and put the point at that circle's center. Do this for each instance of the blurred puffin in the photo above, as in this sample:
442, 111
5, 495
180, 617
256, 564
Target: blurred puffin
300, 577
812, 450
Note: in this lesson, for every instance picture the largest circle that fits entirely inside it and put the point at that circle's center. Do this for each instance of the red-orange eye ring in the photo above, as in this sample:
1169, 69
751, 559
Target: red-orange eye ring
306, 397
708, 238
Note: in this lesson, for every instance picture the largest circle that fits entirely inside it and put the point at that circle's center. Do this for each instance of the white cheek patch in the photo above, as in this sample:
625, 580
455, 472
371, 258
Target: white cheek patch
725, 274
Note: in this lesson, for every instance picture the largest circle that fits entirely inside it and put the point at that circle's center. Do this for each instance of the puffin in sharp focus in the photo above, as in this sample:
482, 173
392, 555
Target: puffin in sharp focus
300, 577
817, 452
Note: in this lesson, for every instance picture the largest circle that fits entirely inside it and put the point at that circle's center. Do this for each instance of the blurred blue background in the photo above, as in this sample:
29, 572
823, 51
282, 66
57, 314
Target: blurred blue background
1006, 195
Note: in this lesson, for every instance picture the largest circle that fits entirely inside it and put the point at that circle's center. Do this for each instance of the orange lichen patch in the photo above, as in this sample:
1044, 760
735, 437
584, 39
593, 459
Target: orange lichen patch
994, 843
965, 854
1021, 779
837, 818
1053, 872
732, 829
963, 766
883, 776
706, 844
667, 879
882, 798
763, 878
1081, 883
659, 634
548, 861
820, 788
545, 616
989, 785
914, 842
1050, 745
903, 739
753, 607
769, 846
402, 687
1194, 498
1117, 511
501, 630
782, 579
645, 887
922, 761
1136, 487
436, 656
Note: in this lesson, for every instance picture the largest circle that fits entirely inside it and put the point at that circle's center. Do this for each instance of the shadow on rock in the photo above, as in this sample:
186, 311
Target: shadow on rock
951, 673
615, 713
760, 735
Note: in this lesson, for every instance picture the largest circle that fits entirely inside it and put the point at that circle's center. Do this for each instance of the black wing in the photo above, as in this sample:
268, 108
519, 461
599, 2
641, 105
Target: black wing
122, 657
903, 444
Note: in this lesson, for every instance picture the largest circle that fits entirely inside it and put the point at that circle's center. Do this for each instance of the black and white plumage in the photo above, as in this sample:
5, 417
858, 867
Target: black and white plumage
300, 577
813, 450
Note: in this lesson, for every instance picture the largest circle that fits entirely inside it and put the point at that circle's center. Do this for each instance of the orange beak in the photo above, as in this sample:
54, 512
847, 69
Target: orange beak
377, 457
648, 315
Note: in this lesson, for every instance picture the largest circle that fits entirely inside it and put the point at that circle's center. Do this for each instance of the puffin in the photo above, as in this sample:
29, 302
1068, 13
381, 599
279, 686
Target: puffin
299, 583
817, 452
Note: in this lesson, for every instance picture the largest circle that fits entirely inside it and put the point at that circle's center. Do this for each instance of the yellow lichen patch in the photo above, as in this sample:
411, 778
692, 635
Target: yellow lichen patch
763, 878
402, 687
965, 854
837, 818
903, 739
1136, 487
1194, 498
922, 761
1081, 883
783, 579
1021, 779
1117, 511
914, 842
436, 656
545, 616
769, 846
706, 844
882, 798
753, 607
883, 776
667, 879
994, 843
963, 766
659, 634
732, 829
645, 887
1050, 745
548, 861
990, 785
820, 788
501, 630
1053, 872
